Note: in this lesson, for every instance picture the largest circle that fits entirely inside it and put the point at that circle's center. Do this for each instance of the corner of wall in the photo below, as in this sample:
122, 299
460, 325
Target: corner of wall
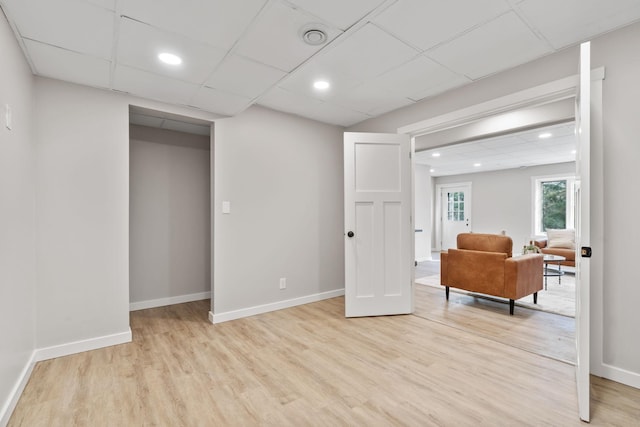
10, 404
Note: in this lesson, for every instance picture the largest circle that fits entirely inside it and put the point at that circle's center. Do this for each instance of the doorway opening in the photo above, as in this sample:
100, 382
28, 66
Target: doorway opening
169, 209
509, 201
499, 166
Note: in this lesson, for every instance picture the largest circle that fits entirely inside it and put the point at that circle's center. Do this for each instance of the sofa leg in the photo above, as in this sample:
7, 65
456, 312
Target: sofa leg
535, 297
512, 304
446, 291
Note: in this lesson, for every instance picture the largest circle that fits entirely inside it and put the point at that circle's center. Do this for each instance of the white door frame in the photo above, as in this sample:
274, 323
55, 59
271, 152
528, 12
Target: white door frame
438, 209
557, 90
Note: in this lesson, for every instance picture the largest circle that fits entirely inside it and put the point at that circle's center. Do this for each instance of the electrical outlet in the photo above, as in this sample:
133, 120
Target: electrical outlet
283, 283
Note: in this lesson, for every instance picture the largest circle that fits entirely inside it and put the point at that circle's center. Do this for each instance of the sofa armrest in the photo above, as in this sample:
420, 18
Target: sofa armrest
444, 271
523, 275
542, 243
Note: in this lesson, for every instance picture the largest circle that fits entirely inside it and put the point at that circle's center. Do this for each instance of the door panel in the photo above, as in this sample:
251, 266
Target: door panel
378, 225
392, 248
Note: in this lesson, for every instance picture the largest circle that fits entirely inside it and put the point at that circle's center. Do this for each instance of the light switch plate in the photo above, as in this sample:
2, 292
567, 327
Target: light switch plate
7, 116
226, 207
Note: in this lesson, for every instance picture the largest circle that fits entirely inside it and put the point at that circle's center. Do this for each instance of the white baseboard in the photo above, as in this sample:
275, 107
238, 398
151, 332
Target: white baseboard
279, 305
429, 258
16, 392
81, 346
161, 302
619, 375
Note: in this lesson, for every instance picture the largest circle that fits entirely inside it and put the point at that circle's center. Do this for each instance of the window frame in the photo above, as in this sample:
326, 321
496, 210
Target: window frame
536, 192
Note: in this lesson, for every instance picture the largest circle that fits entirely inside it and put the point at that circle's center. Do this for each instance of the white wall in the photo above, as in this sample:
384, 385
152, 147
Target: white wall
82, 213
502, 200
619, 54
284, 178
170, 217
17, 224
614, 299
422, 212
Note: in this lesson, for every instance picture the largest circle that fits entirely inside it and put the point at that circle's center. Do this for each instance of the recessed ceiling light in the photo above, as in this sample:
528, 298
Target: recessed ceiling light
321, 84
545, 135
573, 151
477, 165
432, 170
435, 155
170, 58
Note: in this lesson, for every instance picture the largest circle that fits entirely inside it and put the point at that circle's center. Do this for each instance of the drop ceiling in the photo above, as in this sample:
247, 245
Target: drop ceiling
516, 150
380, 55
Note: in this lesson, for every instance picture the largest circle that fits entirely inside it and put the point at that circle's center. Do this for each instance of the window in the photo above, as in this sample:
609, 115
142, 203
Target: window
455, 206
554, 203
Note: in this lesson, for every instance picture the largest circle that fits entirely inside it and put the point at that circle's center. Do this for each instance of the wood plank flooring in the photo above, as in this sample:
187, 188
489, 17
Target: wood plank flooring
542, 333
310, 366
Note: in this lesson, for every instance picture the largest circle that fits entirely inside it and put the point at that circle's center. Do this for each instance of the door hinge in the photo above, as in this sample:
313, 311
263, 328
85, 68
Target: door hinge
585, 252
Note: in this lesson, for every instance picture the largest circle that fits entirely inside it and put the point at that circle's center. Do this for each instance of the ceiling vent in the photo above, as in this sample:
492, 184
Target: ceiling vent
314, 36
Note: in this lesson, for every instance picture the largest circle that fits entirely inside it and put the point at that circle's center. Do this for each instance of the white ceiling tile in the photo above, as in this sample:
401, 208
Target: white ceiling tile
216, 22
140, 44
486, 50
340, 13
367, 53
334, 114
503, 152
571, 21
275, 40
61, 64
419, 78
283, 100
220, 102
302, 79
427, 23
367, 98
244, 77
72, 24
293, 103
107, 4
152, 86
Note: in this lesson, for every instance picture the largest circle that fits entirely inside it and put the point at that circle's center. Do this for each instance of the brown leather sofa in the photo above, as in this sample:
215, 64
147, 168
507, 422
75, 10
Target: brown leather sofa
569, 254
483, 263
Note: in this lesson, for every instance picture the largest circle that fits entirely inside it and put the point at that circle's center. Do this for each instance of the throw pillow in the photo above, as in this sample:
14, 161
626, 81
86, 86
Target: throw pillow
561, 239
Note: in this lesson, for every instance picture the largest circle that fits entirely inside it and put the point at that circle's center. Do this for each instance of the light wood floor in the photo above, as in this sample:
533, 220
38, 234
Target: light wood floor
309, 366
542, 333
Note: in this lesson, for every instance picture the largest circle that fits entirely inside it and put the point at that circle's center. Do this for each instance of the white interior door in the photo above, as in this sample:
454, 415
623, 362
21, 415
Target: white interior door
379, 233
583, 127
455, 212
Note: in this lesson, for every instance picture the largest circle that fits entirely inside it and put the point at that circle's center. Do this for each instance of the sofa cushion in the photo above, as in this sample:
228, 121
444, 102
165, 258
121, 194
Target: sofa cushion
485, 242
561, 239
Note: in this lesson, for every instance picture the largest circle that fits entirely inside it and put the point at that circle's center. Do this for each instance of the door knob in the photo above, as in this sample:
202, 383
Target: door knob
350, 234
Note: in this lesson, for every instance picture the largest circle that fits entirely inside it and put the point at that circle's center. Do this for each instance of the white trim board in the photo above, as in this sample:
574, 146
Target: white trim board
161, 302
617, 374
52, 352
538, 95
74, 347
274, 306
10, 404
